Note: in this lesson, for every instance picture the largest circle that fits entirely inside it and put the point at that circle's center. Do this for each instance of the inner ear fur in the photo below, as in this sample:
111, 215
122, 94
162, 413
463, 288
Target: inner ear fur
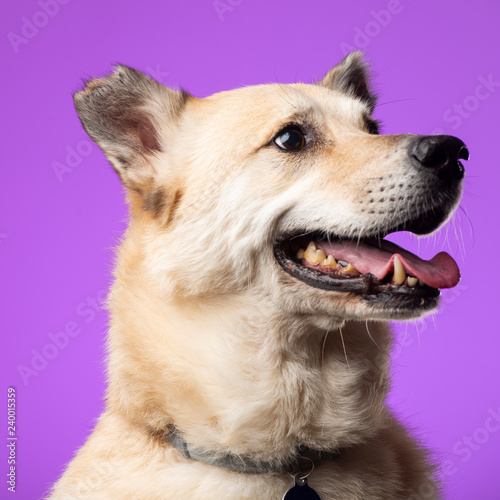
129, 115
351, 76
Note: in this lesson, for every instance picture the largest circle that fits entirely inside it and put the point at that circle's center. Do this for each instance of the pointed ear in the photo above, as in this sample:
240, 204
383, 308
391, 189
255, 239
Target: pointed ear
129, 115
351, 76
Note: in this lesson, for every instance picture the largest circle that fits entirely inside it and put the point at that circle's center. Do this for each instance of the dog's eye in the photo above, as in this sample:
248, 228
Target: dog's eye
290, 138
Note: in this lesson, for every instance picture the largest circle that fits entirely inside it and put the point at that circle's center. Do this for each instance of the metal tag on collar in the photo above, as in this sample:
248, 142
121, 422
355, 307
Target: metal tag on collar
301, 490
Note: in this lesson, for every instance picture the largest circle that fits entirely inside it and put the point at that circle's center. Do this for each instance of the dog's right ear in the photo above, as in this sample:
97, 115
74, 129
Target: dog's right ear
129, 115
351, 76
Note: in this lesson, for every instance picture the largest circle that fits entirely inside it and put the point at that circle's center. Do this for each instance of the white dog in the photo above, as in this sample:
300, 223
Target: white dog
248, 352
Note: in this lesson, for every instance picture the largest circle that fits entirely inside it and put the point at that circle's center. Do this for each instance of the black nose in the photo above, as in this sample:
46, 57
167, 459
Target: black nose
441, 153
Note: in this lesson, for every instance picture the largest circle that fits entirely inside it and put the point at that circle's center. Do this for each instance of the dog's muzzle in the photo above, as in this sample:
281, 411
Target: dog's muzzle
377, 270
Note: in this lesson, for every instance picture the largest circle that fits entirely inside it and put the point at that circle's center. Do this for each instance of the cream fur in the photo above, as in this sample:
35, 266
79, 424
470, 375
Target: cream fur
208, 333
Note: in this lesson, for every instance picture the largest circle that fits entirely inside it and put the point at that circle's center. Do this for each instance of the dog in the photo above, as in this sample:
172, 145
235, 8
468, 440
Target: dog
248, 341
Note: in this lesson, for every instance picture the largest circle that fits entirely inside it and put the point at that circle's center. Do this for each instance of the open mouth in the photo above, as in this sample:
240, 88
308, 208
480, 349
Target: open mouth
376, 269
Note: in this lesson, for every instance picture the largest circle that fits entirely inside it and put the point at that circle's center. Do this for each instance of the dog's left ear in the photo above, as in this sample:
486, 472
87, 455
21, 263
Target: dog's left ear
351, 77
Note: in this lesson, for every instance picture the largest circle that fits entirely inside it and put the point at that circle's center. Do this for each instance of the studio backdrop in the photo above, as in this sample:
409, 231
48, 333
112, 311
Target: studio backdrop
436, 69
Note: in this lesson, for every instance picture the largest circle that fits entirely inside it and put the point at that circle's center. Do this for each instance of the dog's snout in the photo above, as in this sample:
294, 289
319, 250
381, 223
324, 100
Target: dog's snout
442, 154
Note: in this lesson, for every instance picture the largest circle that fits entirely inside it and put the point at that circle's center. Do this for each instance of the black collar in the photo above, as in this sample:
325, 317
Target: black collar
304, 459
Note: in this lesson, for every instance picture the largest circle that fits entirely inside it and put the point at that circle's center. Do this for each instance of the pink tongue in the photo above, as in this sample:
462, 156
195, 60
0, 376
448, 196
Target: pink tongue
439, 272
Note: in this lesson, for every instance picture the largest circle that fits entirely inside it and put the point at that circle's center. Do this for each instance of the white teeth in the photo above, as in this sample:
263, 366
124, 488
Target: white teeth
314, 255
399, 272
412, 281
300, 254
329, 262
421, 283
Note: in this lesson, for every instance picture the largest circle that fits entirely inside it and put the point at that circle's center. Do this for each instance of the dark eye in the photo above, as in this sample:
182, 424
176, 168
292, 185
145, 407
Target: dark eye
290, 138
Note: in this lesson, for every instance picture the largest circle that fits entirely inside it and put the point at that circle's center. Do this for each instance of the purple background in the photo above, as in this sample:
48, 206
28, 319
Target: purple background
57, 233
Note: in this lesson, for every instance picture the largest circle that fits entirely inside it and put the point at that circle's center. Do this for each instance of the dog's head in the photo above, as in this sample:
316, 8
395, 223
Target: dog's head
282, 191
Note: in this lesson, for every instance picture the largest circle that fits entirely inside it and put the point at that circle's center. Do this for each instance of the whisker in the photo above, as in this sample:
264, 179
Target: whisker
323, 346
435, 322
461, 243
395, 101
406, 331
471, 227
299, 235
343, 345
282, 87
370, 335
